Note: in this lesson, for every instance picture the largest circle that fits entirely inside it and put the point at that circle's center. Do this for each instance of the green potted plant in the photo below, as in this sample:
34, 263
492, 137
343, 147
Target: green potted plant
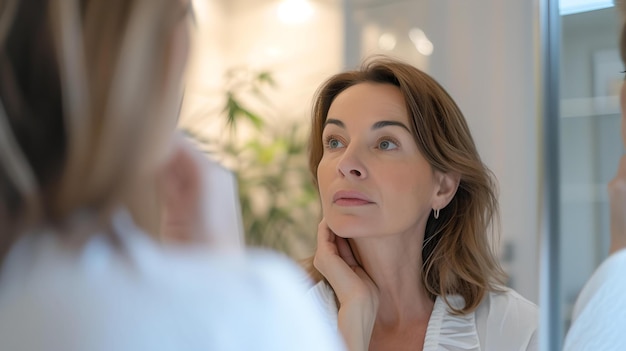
278, 200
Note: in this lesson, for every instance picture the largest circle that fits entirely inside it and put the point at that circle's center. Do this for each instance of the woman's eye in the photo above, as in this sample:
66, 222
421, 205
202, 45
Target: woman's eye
387, 145
334, 144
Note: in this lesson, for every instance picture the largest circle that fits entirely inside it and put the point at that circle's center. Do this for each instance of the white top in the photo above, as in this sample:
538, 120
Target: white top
599, 317
136, 295
503, 321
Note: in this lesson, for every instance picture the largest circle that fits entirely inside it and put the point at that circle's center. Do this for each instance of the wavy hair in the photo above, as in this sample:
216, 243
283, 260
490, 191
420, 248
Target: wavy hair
458, 251
86, 102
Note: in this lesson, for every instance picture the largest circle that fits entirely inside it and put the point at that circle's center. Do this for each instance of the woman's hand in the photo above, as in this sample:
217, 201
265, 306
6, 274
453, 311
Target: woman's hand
617, 200
179, 187
355, 290
199, 202
166, 204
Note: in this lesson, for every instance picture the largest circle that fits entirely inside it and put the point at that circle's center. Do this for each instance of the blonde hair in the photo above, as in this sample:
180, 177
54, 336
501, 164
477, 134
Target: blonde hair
85, 101
458, 256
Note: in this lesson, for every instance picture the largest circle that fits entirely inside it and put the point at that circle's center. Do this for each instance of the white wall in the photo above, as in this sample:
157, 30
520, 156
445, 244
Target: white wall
206, 62
488, 60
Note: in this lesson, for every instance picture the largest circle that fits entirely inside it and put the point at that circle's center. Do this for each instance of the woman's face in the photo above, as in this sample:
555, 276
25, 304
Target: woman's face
373, 181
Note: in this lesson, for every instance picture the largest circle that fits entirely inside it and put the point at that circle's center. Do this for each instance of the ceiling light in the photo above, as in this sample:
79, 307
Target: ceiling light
294, 11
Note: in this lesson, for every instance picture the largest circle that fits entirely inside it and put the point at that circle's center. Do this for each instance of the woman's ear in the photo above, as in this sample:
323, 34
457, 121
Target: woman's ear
447, 184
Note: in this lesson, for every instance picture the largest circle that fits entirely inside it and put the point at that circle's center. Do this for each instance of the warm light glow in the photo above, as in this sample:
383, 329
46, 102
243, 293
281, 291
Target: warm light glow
200, 9
416, 34
273, 52
387, 41
295, 11
421, 42
425, 47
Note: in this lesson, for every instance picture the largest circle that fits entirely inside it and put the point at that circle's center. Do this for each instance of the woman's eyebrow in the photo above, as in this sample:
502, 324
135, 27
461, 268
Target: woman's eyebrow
381, 124
335, 122
377, 125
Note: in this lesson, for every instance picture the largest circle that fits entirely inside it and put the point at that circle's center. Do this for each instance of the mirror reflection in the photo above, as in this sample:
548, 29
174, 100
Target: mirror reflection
257, 53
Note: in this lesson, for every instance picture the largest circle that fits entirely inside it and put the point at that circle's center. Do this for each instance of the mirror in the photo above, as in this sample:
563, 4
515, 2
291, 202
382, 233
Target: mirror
590, 145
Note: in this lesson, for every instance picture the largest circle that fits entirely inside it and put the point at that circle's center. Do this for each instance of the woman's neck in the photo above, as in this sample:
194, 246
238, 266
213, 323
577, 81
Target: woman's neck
395, 266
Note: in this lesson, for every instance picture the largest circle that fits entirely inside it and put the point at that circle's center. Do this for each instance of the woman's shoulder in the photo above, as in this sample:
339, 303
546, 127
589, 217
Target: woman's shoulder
508, 303
504, 320
606, 283
128, 254
323, 298
322, 292
161, 298
598, 317
505, 317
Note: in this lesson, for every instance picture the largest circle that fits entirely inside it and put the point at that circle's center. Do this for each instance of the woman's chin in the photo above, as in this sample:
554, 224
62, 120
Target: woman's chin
351, 230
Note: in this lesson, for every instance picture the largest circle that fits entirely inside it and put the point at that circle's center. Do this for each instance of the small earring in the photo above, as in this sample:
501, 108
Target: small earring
436, 213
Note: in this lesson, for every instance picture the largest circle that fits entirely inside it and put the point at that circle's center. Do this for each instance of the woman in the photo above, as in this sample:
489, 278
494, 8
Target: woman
89, 93
403, 246
599, 315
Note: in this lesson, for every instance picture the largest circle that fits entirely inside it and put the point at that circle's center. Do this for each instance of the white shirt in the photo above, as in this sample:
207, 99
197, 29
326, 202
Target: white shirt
599, 317
136, 295
503, 321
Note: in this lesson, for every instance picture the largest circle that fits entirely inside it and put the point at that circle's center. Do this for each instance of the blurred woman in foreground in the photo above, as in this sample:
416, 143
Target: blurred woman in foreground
89, 93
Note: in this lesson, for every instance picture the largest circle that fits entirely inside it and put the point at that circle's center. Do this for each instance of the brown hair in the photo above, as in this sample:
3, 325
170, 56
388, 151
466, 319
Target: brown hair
458, 257
84, 100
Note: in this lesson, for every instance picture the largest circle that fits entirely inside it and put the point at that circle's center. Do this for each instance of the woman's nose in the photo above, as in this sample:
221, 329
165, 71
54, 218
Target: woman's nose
351, 165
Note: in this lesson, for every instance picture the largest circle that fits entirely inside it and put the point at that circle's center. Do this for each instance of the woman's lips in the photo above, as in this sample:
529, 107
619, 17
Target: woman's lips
351, 202
350, 198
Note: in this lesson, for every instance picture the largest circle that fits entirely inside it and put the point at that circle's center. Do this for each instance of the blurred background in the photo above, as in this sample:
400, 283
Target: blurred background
257, 63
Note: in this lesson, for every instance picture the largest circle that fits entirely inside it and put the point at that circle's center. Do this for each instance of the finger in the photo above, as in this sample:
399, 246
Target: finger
324, 234
617, 185
326, 248
179, 181
345, 251
621, 170
617, 197
179, 189
623, 127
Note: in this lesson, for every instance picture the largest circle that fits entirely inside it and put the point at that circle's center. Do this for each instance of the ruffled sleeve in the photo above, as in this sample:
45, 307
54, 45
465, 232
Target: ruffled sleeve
503, 321
451, 332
